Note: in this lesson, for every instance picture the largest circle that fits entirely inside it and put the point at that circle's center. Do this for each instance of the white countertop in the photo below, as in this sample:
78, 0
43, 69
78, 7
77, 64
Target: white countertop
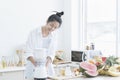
88, 78
98, 78
7, 69
84, 78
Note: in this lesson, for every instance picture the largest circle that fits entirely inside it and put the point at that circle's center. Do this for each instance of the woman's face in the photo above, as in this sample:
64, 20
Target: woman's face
53, 25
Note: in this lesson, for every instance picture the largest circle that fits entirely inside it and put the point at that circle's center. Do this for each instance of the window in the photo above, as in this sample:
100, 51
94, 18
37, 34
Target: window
94, 21
101, 25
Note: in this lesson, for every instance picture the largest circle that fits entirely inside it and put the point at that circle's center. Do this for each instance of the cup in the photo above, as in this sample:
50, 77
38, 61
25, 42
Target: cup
68, 71
103, 59
62, 72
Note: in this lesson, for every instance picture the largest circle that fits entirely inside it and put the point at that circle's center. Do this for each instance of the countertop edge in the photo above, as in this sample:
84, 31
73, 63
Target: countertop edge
9, 69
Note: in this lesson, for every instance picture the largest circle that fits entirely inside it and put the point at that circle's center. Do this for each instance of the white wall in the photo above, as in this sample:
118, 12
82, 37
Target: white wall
118, 24
18, 17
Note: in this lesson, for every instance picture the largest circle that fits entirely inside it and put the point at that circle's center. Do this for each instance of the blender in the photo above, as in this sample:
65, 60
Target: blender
40, 59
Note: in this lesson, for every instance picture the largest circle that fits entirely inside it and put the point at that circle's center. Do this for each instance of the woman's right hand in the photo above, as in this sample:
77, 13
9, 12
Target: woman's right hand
49, 60
32, 60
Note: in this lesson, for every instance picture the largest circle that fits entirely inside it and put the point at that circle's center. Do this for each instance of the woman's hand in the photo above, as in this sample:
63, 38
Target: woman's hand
32, 60
49, 60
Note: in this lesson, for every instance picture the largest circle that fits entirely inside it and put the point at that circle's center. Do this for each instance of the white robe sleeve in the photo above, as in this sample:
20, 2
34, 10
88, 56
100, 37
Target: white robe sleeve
51, 53
52, 47
29, 47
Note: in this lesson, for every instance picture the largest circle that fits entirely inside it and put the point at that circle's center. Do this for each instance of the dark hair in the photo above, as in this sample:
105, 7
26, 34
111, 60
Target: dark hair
56, 17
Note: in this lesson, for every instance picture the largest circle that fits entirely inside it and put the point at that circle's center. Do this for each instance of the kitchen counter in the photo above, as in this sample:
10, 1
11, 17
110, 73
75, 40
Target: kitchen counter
82, 77
98, 78
88, 78
8, 69
12, 69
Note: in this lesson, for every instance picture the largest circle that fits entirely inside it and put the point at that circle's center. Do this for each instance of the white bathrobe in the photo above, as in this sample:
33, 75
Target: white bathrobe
35, 41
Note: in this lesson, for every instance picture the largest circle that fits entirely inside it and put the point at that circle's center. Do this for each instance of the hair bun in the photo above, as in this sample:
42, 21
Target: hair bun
60, 13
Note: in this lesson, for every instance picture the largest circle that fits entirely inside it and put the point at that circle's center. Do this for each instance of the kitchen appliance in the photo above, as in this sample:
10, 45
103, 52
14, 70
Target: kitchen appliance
77, 56
40, 58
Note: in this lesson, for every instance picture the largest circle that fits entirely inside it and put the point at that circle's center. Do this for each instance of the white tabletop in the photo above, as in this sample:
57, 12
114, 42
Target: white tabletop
98, 78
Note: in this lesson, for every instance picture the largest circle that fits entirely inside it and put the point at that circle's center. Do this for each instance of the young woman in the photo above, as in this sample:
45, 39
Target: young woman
42, 39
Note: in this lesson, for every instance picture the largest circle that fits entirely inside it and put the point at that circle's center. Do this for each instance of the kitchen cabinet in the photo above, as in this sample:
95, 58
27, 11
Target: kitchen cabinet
12, 74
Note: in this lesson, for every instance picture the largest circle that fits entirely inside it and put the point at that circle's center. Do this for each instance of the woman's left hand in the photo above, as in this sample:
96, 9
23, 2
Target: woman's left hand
49, 60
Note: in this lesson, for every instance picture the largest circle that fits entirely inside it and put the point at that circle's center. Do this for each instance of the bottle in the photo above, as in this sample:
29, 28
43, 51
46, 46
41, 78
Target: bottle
92, 46
0, 63
87, 47
3, 62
